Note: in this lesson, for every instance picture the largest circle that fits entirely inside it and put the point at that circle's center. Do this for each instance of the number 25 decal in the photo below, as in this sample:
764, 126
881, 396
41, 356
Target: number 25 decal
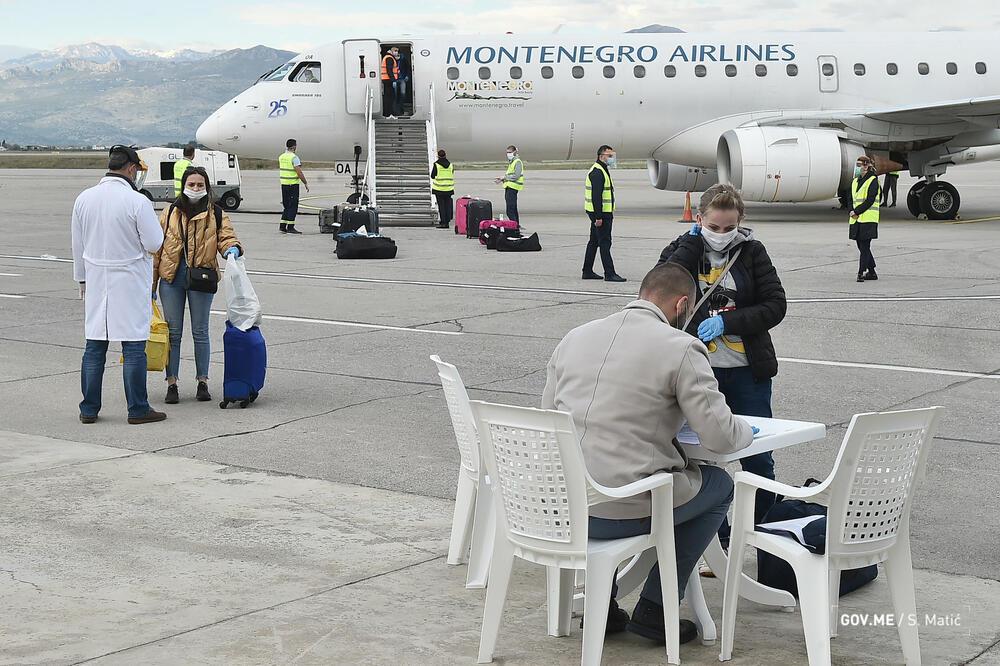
278, 108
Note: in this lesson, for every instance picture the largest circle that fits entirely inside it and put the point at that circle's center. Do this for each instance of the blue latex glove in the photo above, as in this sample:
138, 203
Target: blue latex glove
695, 230
234, 251
711, 328
756, 430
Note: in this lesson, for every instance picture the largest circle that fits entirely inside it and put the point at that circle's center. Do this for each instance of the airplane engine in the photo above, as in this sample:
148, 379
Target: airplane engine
680, 178
786, 163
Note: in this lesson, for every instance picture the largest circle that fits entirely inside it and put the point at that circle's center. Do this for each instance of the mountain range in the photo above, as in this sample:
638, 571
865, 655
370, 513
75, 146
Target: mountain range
100, 94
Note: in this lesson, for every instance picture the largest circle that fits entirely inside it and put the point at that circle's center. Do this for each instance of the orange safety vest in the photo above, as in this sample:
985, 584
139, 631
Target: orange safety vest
385, 68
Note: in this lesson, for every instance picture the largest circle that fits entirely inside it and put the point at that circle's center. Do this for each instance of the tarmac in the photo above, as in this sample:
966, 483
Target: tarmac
312, 527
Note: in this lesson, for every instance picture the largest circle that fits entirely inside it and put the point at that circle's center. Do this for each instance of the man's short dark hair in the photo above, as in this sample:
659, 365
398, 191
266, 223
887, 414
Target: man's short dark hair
668, 280
121, 156
600, 151
513, 148
291, 143
189, 151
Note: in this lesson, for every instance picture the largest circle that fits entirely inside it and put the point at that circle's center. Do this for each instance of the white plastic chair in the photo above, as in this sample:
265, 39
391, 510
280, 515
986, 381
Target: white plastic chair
472, 524
869, 495
542, 500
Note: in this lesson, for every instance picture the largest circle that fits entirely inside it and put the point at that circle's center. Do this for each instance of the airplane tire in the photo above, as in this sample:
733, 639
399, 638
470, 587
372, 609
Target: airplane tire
230, 201
913, 198
940, 201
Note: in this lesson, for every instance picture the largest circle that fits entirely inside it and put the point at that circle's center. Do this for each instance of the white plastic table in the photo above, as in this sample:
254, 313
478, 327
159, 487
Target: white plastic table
774, 434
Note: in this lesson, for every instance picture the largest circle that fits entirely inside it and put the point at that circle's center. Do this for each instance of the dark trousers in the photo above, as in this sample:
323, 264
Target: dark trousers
867, 259
289, 204
748, 397
134, 373
890, 186
695, 523
600, 239
510, 198
390, 101
446, 209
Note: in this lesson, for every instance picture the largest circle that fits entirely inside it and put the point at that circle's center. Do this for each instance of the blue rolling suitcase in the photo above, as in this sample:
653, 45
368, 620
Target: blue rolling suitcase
246, 364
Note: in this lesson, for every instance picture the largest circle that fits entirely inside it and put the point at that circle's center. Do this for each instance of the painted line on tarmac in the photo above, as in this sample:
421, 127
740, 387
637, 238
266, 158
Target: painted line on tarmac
10, 275
981, 219
894, 368
12, 296
352, 324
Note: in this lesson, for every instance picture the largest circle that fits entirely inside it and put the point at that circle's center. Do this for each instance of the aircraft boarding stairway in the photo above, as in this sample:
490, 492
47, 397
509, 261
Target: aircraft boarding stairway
402, 173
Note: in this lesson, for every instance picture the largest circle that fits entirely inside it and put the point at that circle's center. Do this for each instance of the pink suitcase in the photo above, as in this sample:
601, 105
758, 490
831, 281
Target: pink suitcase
499, 224
461, 214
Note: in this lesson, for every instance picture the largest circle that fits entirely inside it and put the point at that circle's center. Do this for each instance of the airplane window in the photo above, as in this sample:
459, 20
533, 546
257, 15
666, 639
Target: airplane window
980, 68
827, 69
639, 72
280, 73
730, 70
515, 72
923, 68
307, 72
792, 70
577, 72
951, 68
859, 69
892, 69
700, 71
484, 73
760, 70
453, 73
546, 72
670, 71
609, 72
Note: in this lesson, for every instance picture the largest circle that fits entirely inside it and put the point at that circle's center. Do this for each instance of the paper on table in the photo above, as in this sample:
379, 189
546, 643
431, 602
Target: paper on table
690, 437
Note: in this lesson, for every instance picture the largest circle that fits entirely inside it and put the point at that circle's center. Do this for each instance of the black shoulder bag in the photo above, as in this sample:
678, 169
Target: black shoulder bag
200, 279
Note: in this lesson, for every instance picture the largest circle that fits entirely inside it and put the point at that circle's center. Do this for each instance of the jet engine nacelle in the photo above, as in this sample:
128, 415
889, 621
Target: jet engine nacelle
786, 163
680, 178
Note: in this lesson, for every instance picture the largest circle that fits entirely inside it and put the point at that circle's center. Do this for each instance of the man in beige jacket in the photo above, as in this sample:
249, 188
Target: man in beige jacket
630, 381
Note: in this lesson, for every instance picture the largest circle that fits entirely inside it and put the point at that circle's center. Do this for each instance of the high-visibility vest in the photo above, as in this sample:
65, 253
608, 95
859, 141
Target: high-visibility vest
286, 169
895, 173
444, 181
859, 194
385, 68
518, 184
180, 166
607, 196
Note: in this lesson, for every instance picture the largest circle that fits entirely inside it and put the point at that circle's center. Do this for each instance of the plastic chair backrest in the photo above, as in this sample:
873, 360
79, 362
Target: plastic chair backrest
871, 494
538, 468
461, 415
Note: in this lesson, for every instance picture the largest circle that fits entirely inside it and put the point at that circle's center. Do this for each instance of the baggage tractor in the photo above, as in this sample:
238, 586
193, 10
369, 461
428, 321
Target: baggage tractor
507, 225
478, 210
245, 357
353, 246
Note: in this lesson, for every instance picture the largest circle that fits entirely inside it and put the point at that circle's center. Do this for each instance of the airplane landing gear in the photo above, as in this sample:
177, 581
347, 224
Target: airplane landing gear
937, 200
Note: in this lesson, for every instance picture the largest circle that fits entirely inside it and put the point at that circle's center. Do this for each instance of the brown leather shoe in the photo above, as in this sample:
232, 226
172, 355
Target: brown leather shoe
88, 419
151, 416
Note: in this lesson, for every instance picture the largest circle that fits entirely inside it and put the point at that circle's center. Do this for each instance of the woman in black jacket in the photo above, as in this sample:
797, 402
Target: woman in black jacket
734, 322
863, 227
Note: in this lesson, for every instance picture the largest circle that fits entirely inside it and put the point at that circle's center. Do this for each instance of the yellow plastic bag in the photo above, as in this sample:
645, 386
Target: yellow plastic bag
158, 345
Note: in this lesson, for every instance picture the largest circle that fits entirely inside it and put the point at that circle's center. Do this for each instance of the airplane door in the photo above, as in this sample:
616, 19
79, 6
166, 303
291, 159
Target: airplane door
829, 80
361, 71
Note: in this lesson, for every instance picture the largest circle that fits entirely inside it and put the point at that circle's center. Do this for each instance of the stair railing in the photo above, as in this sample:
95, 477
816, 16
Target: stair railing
369, 181
431, 139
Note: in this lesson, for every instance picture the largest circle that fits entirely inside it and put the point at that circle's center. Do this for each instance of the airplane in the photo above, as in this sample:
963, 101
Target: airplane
781, 116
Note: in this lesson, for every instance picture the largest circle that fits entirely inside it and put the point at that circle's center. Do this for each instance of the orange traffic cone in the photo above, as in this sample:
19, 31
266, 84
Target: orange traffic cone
687, 209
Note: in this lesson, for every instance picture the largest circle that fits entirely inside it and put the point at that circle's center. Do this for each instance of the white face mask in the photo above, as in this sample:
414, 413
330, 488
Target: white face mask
194, 195
510, 157
717, 241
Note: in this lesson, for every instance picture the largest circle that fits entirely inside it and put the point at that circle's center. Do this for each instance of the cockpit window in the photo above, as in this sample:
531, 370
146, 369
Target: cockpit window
280, 73
307, 72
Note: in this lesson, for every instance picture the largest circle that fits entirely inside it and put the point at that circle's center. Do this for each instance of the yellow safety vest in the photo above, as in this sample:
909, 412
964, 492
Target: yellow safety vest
180, 166
286, 169
444, 181
895, 173
518, 184
607, 197
859, 195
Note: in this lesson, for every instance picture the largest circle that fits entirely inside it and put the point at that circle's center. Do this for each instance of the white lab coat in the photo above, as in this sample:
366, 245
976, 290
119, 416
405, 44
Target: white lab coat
115, 230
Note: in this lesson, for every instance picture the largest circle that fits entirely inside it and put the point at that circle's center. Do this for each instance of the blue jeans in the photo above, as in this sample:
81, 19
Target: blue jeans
695, 524
172, 297
95, 355
748, 397
510, 199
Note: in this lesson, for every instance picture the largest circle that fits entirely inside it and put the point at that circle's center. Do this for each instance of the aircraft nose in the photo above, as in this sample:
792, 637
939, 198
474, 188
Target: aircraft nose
208, 132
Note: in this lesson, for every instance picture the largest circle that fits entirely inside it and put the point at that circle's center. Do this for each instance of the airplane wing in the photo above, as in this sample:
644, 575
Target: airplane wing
980, 111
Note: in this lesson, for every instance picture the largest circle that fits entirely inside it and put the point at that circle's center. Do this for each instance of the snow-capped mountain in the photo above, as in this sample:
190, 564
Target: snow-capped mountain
101, 55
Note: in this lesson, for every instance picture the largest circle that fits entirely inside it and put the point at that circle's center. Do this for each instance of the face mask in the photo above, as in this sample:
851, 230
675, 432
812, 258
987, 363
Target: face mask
612, 162
192, 195
716, 241
858, 171
510, 157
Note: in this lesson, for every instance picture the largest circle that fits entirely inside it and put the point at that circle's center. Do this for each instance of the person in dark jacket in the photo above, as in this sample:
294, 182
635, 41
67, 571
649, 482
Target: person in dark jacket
735, 320
599, 204
863, 227
443, 187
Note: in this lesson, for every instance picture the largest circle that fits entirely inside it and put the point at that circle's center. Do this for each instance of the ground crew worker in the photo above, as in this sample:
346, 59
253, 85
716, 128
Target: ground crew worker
599, 203
443, 186
513, 182
290, 170
864, 215
390, 74
890, 186
180, 166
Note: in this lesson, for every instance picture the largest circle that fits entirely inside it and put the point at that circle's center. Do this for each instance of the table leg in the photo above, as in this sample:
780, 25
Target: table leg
750, 589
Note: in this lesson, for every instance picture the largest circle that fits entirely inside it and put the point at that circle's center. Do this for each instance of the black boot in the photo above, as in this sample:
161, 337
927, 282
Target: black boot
203, 394
870, 274
861, 276
172, 397
292, 230
647, 621
283, 228
617, 619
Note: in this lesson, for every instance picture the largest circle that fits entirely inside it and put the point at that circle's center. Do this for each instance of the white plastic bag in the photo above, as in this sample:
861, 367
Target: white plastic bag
242, 307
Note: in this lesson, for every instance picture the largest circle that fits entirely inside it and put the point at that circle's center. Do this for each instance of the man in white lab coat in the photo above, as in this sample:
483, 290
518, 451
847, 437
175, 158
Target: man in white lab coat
115, 230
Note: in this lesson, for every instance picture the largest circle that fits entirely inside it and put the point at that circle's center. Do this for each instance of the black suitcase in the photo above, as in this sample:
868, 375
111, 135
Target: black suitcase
529, 244
492, 236
329, 220
365, 247
352, 219
477, 211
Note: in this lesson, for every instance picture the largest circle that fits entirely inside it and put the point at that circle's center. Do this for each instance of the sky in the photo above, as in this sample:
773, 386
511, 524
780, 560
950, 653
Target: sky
297, 25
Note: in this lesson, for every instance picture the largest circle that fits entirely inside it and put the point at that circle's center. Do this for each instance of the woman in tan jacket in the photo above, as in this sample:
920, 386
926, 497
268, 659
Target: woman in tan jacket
195, 233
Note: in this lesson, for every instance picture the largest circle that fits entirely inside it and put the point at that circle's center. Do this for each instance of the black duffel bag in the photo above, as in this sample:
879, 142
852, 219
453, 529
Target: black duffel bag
529, 244
492, 235
356, 246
